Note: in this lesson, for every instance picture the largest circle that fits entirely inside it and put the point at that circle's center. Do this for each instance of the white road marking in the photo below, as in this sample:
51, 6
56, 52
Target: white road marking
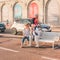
8, 49
48, 58
44, 57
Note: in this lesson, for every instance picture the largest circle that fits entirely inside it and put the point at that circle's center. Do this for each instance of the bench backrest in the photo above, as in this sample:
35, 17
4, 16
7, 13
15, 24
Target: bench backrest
50, 35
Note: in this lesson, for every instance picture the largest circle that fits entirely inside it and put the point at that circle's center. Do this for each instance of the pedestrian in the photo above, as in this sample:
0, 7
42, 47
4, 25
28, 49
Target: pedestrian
35, 20
33, 30
38, 35
31, 34
7, 22
26, 34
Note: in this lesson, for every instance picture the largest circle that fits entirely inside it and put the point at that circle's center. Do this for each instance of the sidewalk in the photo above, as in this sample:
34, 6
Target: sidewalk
56, 29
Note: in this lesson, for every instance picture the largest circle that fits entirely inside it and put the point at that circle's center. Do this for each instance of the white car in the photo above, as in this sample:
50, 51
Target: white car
18, 25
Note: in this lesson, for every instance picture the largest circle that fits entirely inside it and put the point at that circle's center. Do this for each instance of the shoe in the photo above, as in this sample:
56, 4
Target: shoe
21, 46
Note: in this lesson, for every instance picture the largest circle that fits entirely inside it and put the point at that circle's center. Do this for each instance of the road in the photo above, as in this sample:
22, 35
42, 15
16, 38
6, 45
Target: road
10, 49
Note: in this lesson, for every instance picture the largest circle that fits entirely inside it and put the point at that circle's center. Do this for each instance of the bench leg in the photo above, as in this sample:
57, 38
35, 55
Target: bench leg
53, 45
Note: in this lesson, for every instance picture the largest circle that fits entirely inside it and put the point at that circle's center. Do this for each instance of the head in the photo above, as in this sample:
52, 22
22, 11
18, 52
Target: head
26, 26
29, 24
36, 16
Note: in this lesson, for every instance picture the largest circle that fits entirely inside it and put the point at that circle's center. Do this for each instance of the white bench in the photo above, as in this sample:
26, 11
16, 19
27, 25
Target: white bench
48, 37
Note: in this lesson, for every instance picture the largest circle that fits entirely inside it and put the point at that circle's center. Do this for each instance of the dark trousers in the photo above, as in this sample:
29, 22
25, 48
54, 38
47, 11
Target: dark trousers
33, 38
24, 38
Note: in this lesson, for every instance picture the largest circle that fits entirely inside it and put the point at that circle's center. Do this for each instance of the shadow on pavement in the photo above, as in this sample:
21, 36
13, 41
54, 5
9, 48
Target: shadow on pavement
43, 47
57, 47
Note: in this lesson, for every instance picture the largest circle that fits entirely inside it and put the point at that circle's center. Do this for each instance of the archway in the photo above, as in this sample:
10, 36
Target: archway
53, 13
17, 11
5, 13
32, 10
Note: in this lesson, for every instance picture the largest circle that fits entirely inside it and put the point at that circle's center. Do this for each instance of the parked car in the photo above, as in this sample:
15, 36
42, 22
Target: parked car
46, 27
18, 25
2, 27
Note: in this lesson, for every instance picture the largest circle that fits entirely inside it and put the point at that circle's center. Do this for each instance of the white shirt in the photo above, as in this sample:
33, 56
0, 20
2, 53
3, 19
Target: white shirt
26, 32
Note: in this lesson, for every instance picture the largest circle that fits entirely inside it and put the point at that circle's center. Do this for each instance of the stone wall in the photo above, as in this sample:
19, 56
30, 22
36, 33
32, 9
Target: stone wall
7, 10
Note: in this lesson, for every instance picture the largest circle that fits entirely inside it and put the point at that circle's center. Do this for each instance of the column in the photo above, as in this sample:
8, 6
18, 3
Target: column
0, 15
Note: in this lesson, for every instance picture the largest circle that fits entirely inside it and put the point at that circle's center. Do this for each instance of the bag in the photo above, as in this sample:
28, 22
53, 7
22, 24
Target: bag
36, 33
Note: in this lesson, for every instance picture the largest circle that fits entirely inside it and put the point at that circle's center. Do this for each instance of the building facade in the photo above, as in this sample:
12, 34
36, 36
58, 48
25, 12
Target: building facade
48, 11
